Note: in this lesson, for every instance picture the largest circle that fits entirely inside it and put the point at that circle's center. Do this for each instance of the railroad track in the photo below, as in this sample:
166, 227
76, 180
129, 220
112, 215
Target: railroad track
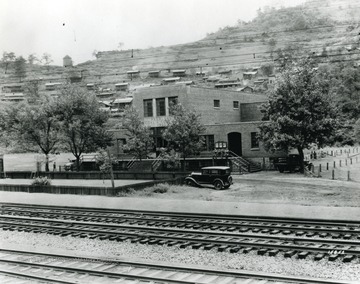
261, 225
19, 266
316, 248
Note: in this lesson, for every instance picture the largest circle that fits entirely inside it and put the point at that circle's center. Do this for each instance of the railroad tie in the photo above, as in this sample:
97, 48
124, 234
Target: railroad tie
303, 254
319, 256
289, 253
348, 258
273, 252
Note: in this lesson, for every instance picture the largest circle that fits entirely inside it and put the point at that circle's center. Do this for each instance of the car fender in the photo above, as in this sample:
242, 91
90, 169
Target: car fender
193, 180
217, 179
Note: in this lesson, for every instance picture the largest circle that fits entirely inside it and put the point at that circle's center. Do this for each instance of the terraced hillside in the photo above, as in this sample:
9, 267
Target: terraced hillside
328, 30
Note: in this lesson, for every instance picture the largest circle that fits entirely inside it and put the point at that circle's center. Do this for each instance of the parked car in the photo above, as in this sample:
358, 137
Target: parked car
219, 177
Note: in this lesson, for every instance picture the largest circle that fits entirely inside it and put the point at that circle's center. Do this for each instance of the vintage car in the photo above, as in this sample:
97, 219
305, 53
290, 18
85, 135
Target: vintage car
219, 177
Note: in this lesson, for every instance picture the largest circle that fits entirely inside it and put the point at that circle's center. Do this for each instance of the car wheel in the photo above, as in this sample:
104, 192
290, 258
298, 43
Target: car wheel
189, 182
218, 185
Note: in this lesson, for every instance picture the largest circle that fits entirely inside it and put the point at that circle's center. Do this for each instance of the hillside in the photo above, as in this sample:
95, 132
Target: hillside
316, 28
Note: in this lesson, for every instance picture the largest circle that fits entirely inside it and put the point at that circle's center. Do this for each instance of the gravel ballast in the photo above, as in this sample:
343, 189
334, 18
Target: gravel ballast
336, 270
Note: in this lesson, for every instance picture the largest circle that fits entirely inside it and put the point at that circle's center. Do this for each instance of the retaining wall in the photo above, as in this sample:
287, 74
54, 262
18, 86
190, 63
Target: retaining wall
81, 190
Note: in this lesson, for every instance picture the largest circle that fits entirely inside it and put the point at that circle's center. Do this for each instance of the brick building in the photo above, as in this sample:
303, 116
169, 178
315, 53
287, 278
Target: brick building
228, 116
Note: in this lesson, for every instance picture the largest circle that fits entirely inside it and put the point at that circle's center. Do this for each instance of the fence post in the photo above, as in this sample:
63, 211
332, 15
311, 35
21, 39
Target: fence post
345, 162
320, 168
348, 175
333, 174
340, 163
327, 166
334, 164
312, 168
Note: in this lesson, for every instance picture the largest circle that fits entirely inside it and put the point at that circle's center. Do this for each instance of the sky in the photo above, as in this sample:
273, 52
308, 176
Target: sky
78, 27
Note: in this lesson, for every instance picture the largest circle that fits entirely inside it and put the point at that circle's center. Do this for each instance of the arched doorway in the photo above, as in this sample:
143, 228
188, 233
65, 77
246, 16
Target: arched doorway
234, 142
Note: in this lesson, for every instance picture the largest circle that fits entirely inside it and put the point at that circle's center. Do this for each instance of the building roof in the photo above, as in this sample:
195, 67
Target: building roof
228, 80
133, 72
244, 88
250, 73
53, 84
171, 79
179, 71
213, 78
122, 100
185, 82
155, 71
13, 96
225, 71
122, 84
67, 57
227, 84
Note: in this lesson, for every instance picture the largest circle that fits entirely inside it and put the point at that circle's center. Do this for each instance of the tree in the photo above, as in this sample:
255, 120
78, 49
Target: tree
357, 131
183, 132
82, 122
32, 58
32, 90
8, 57
46, 59
34, 125
139, 141
298, 111
20, 67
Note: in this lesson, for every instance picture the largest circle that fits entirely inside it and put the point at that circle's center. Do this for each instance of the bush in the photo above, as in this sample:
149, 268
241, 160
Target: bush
126, 192
40, 181
160, 188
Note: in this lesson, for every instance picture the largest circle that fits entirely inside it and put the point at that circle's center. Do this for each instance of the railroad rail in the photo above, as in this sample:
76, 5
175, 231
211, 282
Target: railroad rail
55, 268
270, 245
225, 223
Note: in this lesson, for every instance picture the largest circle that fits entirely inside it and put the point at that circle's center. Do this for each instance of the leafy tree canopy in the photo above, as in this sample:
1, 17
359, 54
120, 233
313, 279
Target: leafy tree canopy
184, 131
298, 111
139, 141
82, 121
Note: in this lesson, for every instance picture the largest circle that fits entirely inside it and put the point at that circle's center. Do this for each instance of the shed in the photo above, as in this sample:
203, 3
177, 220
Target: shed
90, 86
12, 88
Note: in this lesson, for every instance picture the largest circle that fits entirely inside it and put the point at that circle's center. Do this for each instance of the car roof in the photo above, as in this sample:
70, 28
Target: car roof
216, 168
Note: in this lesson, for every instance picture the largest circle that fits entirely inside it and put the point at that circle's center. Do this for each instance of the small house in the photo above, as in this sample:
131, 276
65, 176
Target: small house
90, 86
179, 73
154, 73
52, 86
225, 72
213, 79
120, 104
249, 75
170, 80
185, 83
133, 74
122, 87
12, 89
14, 97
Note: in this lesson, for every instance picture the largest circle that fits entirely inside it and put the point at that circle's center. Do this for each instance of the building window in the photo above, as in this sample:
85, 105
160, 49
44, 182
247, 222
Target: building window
148, 108
217, 103
254, 140
160, 107
209, 142
236, 104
